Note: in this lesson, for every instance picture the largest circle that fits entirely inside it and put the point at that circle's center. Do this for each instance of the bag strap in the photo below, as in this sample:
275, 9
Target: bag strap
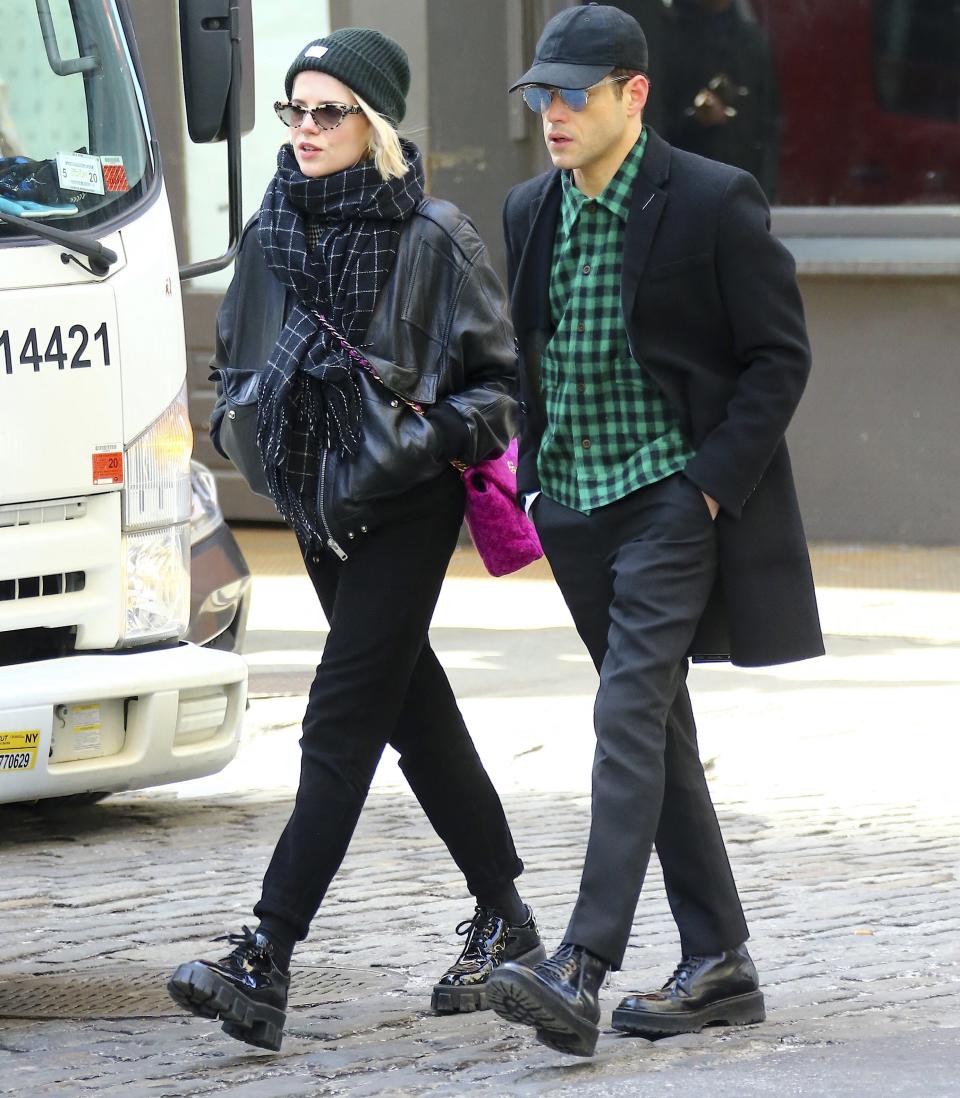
362, 362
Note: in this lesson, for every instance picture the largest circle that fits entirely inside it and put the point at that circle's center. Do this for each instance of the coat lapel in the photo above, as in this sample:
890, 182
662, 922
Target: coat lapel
646, 209
530, 302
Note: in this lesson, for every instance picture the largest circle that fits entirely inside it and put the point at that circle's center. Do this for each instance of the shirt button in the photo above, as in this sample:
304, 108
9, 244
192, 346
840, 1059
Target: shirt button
586, 444
586, 268
581, 327
581, 388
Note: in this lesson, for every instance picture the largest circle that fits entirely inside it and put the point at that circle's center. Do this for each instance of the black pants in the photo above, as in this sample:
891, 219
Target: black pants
380, 682
636, 576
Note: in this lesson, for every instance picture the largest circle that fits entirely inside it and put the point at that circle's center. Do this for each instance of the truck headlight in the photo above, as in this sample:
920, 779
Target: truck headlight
157, 582
156, 481
155, 508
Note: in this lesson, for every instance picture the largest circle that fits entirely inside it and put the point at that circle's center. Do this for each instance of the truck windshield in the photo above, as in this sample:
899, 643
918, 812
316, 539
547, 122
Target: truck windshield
72, 145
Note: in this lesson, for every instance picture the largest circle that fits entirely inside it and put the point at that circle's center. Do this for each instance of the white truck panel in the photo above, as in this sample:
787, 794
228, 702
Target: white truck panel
61, 413
150, 312
82, 536
38, 264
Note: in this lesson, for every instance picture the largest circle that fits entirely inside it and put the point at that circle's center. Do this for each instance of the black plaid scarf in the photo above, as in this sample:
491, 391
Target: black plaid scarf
332, 241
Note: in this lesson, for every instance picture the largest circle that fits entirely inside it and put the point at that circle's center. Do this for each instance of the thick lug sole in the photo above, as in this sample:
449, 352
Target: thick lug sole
449, 999
454, 999
737, 1010
198, 989
518, 996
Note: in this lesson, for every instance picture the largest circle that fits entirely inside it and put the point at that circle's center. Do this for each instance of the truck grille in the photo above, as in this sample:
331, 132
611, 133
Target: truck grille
61, 581
26, 645
35, 587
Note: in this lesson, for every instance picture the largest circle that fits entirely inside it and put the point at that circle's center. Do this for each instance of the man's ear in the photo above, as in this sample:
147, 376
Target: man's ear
635, 92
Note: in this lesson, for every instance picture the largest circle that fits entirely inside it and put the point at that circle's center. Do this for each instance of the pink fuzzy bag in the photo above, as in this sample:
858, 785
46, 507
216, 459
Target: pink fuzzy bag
502, 534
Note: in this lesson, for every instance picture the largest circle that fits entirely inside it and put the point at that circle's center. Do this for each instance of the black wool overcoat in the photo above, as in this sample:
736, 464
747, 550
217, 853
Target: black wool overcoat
714, 316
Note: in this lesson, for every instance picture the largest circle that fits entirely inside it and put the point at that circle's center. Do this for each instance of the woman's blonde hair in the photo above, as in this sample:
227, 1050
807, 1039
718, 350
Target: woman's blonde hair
384, 143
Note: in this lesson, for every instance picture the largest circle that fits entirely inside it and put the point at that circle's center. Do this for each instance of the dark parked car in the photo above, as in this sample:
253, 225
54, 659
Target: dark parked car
220, 579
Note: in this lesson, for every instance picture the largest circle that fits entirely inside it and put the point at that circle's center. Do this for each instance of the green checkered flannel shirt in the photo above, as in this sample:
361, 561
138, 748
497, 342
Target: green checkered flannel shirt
609, 430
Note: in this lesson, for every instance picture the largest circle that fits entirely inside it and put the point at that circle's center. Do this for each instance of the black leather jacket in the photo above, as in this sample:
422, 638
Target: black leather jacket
439, 336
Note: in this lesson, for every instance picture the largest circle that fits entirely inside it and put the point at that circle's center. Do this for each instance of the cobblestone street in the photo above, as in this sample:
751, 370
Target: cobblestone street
835, 781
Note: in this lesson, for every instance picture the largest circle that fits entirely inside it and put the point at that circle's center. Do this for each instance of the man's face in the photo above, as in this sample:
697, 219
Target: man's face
578, 139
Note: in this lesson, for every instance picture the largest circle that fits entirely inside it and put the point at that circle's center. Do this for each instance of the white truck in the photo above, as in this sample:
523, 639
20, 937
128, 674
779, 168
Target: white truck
99, 691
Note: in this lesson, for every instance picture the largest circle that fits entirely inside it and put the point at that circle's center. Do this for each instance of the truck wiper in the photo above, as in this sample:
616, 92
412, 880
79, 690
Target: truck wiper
101, 258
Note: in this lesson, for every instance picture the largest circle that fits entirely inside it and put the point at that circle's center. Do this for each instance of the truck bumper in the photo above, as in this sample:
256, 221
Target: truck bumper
106, 722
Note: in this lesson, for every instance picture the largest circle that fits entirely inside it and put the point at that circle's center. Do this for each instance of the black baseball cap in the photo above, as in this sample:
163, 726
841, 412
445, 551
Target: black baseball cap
581, 45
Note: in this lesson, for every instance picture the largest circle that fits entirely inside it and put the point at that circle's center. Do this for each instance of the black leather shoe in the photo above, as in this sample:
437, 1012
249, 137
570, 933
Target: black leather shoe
245, 990
703, 991
490, 942
558, 997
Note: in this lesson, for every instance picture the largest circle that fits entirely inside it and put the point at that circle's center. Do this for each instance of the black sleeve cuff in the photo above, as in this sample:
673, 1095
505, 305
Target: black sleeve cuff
452, 429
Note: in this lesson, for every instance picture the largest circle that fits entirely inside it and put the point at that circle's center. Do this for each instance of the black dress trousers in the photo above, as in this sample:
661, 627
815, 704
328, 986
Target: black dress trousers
636, 576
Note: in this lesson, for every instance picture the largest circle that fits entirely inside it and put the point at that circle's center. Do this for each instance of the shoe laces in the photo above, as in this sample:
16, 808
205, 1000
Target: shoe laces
481, 918
563, 964
480, 926
683, 971
248, 947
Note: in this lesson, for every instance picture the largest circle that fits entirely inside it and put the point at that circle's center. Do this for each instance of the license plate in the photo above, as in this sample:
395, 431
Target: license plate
18, 750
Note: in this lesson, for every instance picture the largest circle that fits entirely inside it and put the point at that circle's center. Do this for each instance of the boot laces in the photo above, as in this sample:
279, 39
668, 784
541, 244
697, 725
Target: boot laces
562, 965
478, 928
247, 946
683, 970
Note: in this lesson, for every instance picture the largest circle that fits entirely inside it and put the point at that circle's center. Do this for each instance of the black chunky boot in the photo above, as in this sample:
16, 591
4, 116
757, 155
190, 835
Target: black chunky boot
720, 990
245, 990
558, 997
491, 941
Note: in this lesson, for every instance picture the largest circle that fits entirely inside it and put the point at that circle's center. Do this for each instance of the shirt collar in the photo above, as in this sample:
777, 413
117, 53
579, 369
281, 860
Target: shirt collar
615, 197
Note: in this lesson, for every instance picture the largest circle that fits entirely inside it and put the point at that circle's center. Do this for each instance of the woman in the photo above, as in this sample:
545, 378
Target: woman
347, 251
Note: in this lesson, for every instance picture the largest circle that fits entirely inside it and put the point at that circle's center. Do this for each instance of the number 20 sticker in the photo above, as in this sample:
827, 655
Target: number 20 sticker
108, 468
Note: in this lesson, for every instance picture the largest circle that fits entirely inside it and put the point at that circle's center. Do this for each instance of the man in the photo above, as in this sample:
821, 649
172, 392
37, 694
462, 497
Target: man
663, 354
719, 91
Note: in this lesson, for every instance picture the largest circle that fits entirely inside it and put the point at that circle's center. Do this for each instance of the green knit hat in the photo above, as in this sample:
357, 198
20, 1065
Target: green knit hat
370, 64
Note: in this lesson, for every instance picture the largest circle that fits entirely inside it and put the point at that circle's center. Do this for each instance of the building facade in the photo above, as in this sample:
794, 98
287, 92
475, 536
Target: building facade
847, 111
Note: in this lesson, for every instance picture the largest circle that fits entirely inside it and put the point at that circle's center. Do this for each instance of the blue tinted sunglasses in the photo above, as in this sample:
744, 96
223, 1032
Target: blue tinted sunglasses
538, 97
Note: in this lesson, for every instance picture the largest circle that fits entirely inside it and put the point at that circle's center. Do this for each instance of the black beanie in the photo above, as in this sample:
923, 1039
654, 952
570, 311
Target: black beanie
370, 64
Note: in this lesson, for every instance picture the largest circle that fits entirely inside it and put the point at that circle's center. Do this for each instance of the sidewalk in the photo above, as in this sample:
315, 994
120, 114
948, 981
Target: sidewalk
863, 590
836, 785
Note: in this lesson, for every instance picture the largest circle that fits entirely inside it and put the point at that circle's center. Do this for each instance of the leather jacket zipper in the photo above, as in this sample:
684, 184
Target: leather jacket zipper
331, 543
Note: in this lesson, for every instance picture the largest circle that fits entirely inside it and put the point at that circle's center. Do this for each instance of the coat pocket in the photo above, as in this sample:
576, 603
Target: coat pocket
678, 267
236, 431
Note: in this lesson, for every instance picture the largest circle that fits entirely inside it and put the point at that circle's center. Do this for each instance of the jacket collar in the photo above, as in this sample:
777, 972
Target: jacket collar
655, 164
646, 209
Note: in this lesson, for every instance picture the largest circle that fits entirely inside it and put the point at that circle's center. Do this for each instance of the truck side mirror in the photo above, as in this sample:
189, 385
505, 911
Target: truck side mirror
216, 46
207, 28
